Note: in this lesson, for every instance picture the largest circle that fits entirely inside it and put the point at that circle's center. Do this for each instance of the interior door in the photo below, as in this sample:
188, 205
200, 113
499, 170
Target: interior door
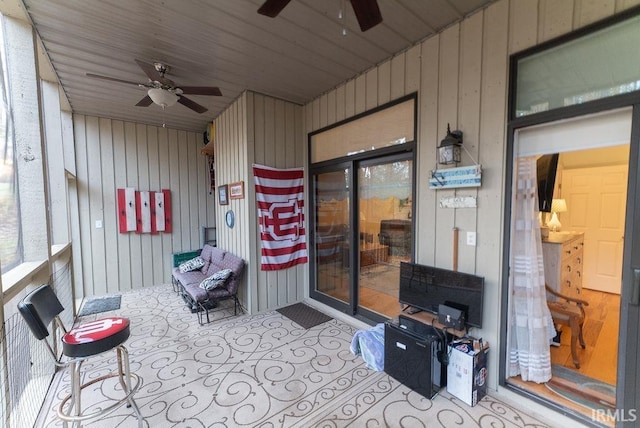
596, 198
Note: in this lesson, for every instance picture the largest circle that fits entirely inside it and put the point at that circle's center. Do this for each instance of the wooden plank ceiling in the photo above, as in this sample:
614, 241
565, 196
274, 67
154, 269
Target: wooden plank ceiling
296, 56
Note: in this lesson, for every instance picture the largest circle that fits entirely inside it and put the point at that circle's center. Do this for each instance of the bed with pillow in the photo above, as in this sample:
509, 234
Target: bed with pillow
204, 277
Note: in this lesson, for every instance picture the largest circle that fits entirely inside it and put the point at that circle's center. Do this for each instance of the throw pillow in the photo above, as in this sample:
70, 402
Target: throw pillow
193, 264
222, 274
216, 280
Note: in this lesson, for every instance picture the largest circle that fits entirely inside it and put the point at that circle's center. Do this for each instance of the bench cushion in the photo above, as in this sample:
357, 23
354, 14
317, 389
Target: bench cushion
191, 277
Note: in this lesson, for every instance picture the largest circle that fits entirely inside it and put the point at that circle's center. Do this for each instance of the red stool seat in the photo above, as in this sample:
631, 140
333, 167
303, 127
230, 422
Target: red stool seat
95, 337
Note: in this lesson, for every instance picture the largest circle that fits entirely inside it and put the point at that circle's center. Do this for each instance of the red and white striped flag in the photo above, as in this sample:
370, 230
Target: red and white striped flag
280, 197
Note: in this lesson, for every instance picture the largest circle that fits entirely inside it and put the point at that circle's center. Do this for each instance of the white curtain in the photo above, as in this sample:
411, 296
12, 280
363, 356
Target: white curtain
530, 324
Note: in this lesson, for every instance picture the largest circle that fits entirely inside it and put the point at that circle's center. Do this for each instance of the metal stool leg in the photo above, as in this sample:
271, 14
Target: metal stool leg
76, 390
125, 380
70, 409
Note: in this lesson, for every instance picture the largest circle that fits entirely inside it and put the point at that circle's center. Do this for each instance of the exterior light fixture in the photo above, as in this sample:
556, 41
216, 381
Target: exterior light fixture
450, 148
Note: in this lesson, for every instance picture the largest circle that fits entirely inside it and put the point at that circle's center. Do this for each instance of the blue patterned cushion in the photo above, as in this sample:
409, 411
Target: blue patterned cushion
216, 280
193, 264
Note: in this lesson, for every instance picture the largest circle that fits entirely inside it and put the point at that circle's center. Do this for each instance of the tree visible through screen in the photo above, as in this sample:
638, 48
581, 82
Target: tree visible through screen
10, 252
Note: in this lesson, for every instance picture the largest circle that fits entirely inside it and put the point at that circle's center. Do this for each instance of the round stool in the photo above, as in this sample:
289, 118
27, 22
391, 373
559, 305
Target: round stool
93, 338
39, 308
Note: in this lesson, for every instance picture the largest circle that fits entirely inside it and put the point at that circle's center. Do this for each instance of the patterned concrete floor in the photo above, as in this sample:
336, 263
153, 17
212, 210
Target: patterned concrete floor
259, 371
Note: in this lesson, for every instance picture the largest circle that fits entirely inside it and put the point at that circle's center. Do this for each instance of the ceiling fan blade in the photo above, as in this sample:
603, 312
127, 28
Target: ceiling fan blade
272, 8
145, 102
113, 79
201, 90
367, 12
191, 104
150, 71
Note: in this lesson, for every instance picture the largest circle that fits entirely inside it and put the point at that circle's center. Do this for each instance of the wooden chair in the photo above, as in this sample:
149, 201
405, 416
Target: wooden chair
569, 311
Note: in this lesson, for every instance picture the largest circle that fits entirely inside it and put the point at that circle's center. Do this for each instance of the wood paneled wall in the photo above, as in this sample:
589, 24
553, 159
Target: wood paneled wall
259, 129
275, 139
112, 154
230, 146
461, 77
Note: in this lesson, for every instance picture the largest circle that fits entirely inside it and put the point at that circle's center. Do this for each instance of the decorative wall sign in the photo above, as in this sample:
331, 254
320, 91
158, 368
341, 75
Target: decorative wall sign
236, 190
458, 202
144, 212
451, 178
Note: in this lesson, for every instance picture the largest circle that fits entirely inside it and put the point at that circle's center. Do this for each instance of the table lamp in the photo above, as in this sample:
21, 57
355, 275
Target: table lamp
557, 206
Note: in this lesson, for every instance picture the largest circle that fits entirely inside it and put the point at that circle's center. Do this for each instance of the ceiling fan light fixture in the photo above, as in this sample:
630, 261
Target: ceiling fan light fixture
162, 97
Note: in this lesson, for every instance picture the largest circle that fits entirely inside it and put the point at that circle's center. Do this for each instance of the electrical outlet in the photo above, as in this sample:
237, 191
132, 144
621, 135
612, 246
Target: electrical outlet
471, 239
98, 224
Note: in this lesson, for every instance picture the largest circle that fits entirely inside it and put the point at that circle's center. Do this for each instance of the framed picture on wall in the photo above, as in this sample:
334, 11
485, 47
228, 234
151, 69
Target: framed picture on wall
236, 190
223, 195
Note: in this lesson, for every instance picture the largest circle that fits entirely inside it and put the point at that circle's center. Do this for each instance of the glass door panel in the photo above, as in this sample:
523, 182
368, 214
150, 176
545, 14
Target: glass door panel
332, 231
385, 192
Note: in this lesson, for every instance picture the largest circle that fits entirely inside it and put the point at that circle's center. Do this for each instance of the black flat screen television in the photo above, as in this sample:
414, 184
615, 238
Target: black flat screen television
425, 288
546, 167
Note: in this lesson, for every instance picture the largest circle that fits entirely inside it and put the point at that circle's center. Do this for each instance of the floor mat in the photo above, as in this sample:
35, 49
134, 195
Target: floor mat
582, 390
304, 315
100, 304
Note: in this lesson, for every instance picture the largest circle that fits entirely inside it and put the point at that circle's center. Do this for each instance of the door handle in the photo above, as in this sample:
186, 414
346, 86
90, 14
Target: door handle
635, 292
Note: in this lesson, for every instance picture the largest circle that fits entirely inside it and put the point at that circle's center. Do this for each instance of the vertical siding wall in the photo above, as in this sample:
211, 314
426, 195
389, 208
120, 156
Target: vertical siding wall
230, 147
275, 139
461, 76
112, 154
257, 129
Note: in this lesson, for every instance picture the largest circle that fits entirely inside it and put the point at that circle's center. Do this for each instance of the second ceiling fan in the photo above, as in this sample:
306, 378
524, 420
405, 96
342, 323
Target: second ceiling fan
163, 91
367, 11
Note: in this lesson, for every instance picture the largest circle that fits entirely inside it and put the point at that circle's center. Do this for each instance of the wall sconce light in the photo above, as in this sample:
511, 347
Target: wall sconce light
450, 148
557, 206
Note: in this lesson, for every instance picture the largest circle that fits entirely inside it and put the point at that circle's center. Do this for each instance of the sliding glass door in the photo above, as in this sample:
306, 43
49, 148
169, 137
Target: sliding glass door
361, 206
363, 229
385, 195
332, 233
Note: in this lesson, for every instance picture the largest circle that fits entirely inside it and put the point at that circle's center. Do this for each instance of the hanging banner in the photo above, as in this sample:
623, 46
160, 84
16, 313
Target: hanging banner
280, 197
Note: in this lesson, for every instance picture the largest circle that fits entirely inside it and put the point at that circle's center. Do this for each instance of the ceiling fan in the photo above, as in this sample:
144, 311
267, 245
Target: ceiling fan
164, 91
367, 11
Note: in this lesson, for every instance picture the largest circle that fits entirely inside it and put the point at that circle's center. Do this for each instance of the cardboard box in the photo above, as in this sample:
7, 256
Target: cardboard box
467, 370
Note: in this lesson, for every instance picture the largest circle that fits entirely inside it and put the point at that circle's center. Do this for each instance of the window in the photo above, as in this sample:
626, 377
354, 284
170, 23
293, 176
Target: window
388, 127
596, 65
10, 236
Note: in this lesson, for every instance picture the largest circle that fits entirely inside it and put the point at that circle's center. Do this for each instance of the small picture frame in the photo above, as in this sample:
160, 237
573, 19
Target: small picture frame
223, 195
236, 190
